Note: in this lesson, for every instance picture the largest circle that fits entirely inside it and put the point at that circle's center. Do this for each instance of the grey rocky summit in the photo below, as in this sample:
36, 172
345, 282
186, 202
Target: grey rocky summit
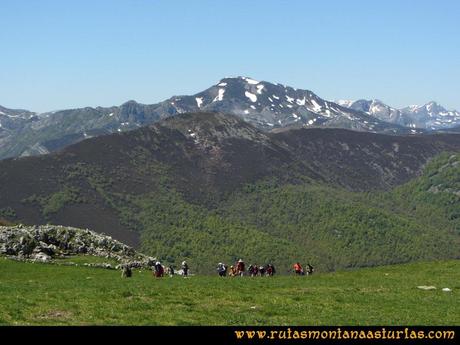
268, 106
265, 105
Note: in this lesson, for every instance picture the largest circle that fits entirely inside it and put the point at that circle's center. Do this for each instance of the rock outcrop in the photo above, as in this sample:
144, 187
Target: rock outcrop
48, 242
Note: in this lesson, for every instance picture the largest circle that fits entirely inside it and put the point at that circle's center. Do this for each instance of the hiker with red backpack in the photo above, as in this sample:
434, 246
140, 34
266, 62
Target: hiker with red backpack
240, 267
158, 270
253, 270
270, 269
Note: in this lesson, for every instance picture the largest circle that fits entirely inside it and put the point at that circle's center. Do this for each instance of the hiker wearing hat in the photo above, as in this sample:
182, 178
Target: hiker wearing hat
232, 272
253, 270
158, 269
262, 271
240, 267
270, 269
221, 269
184, 268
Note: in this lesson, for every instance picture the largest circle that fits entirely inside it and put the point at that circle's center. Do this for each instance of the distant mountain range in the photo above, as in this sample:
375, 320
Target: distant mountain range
430, 116
265, 105
12, 120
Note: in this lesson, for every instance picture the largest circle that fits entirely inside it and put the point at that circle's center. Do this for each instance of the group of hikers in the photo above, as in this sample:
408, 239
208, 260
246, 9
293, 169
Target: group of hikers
236, 270
254, 270
239, 269
158, 270
299, 270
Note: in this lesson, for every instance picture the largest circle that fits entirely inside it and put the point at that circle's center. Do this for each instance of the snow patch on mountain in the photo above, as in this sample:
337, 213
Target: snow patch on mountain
316, 106
250, 81
251, 96
199, 101
344, 102
301, 101
220, 95
259, 88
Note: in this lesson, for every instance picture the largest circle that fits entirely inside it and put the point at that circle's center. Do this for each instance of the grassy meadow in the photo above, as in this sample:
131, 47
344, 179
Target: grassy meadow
44, 294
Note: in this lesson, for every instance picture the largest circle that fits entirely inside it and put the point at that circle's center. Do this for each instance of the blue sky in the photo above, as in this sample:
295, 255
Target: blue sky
63, 54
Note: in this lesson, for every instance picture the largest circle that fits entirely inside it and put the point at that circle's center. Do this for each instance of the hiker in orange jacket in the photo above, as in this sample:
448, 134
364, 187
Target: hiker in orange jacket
298, 269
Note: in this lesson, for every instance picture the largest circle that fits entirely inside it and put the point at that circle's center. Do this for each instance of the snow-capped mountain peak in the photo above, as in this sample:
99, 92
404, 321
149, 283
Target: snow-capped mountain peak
263, 104
431, 115
268, 105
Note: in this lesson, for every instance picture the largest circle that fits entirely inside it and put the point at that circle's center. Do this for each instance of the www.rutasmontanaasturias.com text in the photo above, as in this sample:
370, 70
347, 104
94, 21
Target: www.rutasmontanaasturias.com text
379, 334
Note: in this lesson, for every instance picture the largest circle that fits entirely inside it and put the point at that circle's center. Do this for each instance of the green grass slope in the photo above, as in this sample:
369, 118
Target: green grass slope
40, 294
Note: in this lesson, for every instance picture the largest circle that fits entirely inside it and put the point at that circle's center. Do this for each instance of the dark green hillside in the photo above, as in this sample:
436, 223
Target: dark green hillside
433, 198
335, 229
329, 227
210, 188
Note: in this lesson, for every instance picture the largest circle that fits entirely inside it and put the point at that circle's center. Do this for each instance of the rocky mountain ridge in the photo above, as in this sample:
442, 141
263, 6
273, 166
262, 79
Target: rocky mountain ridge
430, 116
